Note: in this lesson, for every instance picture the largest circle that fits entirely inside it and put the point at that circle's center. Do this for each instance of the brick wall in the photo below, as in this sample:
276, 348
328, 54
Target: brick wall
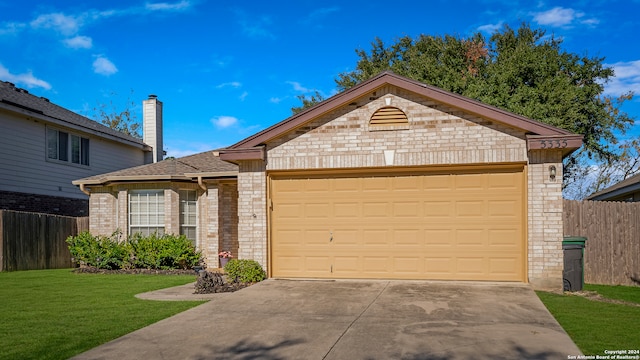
252, 214
545, 220
217, 213
434, 135
45, 204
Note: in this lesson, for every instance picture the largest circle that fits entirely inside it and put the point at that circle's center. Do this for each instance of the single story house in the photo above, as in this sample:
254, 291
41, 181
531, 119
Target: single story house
627, 190
391, 179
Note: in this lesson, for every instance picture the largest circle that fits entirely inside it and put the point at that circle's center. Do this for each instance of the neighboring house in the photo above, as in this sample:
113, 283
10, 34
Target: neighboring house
391, 179
44, 147
626, 190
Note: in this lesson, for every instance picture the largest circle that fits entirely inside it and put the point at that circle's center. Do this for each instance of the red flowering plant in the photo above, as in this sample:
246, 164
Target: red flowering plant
225, 254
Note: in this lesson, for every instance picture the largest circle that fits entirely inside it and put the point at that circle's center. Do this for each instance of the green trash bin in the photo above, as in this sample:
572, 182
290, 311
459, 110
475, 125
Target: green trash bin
573, 272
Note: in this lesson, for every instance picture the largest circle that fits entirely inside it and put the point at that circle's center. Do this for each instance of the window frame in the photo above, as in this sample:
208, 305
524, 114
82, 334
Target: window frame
159, 226
186, 213
65, 147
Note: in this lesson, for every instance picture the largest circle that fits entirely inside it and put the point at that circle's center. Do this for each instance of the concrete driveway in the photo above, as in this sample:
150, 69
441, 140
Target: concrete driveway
282, 319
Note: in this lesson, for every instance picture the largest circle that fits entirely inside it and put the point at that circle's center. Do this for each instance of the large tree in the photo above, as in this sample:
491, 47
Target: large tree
522, 70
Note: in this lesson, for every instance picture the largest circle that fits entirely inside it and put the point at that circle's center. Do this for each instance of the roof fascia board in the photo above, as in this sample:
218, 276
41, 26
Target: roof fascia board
478, 108
566, 143
66, 124
108, 179
213, 174
617, 192
239, 154
454, 100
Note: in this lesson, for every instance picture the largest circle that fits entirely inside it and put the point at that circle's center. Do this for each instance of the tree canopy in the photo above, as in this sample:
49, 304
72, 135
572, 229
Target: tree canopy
522, 70
124, 120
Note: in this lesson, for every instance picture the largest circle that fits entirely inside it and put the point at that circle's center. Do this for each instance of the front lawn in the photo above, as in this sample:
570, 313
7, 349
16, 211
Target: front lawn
55, 314
598, 325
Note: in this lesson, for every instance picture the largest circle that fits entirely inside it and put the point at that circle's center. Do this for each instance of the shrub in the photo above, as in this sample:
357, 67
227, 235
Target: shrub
149, 252
99, 251
245, 271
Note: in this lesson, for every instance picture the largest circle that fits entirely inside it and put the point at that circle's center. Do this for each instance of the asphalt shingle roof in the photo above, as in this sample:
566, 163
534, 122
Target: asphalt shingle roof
205, 162
629, 182
21, 98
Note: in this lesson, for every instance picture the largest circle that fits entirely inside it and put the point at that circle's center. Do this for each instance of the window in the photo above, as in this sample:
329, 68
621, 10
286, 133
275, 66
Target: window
188, 200
63, 146
146, 212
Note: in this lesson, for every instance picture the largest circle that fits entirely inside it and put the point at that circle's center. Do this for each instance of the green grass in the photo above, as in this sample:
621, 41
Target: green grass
55, 314
598, 326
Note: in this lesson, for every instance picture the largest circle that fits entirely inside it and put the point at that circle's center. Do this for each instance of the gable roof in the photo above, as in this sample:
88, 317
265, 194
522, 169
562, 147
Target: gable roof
626, 186
20, 101
205, 165
538, 131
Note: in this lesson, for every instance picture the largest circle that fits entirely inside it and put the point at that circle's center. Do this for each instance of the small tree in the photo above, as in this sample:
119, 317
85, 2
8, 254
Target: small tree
124, 120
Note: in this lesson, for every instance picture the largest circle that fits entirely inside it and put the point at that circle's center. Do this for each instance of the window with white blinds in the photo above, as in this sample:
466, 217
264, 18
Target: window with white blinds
146, 212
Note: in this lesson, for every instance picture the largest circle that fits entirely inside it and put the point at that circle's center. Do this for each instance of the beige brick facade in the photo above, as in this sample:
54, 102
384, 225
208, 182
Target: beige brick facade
434, 135
252, 212
217, 221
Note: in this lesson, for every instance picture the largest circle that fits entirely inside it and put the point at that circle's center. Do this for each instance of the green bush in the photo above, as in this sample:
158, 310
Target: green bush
99, 251
245, 271
147, 252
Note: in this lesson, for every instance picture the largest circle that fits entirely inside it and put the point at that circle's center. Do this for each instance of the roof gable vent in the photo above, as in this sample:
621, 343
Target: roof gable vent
389, 115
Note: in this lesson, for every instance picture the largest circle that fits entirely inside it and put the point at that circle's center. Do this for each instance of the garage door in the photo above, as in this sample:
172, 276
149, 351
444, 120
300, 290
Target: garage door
458, 225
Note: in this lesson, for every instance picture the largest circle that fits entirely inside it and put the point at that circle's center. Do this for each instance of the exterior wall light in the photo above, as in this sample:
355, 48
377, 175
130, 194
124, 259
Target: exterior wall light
552, 172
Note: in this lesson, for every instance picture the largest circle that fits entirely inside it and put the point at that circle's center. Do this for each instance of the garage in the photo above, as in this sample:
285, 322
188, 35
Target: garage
462, 223
396, 179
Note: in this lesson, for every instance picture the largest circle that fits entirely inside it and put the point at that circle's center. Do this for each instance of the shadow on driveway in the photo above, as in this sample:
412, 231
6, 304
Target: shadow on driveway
283, 319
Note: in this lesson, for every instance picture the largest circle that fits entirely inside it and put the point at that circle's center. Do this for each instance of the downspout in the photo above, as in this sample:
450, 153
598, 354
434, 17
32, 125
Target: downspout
84, 190
201, 184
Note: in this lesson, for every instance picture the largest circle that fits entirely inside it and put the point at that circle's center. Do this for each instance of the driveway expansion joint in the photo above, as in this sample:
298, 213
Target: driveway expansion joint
356, 319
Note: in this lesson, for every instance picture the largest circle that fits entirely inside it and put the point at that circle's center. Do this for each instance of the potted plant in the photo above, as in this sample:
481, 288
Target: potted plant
224, 257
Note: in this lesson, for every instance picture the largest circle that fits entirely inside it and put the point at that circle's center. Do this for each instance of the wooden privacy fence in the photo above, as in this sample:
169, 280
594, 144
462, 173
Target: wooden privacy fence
612, 253
31, 241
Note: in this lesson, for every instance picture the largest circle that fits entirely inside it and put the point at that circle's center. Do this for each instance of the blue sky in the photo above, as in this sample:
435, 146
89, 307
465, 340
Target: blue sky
227, 69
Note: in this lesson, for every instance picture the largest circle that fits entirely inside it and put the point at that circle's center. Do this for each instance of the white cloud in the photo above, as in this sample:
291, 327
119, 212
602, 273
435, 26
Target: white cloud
224, 121
103, 66
297, 87
59, 22
79, 42
319, 14
275, 100
563, 17
255, 26
490, 28
27, 79
233, 84
11, 28
163, 6
243, 96
627, 78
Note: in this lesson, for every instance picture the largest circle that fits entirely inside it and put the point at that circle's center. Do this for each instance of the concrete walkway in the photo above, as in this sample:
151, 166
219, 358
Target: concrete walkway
281, 319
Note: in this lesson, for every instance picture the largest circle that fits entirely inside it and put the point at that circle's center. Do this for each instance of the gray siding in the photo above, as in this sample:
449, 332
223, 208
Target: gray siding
24, 166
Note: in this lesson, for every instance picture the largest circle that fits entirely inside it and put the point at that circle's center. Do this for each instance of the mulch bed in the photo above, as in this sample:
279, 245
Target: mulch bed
207, 283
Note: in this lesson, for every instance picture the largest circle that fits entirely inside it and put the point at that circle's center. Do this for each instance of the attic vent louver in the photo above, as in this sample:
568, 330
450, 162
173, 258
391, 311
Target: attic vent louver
389, 116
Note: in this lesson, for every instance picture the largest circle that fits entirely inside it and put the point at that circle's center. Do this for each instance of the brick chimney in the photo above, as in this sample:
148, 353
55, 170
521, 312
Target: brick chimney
152, 126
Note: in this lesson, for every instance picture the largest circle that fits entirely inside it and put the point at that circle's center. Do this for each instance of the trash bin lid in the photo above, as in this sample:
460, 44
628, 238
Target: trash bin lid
574, 240
572, 246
